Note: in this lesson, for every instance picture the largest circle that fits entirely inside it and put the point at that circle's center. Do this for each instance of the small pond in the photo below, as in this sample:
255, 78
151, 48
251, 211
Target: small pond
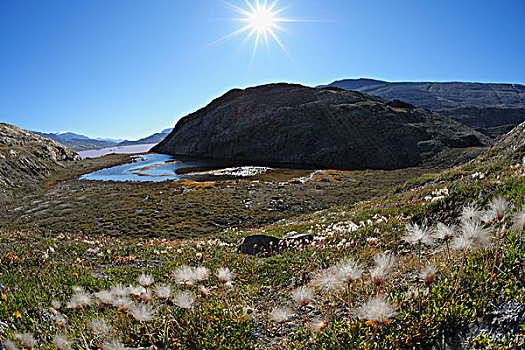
162, 167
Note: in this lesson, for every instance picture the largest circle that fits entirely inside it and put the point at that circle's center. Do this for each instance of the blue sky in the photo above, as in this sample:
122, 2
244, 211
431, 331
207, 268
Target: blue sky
128, 68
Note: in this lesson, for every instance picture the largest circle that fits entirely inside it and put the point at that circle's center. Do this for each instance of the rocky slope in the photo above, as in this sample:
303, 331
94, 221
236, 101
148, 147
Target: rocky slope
511, 145
491, 108
27, 159
283, 124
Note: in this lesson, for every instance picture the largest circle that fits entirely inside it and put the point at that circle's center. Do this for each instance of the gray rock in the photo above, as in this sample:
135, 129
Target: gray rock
284, 124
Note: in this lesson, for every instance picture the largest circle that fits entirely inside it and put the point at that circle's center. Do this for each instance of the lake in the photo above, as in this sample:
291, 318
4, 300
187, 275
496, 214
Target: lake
162, 167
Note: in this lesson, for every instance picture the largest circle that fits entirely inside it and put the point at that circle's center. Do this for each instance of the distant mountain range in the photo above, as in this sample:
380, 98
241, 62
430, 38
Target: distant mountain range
493, 109
79, 142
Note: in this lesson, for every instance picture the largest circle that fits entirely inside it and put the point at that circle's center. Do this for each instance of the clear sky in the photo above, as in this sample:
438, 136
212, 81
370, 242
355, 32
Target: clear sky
128, 68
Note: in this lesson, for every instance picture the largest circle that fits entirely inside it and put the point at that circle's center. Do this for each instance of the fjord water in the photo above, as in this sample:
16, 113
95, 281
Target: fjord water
130, 149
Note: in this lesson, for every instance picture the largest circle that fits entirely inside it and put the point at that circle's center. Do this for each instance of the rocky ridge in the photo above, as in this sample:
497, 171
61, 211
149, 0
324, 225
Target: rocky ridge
493, 109
285, 124
27, 159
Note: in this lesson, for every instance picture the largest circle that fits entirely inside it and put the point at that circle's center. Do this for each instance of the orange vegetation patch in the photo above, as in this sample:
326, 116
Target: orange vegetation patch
193, 184
329, 175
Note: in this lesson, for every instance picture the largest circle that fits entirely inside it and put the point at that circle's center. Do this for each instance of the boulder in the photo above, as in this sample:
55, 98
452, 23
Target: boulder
259, 245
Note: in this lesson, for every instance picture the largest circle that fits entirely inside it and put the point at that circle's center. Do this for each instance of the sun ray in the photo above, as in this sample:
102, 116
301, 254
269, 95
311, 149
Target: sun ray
261, 19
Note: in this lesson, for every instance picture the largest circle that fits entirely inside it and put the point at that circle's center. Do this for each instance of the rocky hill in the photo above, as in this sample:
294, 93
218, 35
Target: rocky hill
491, 108
27, 159
283, 124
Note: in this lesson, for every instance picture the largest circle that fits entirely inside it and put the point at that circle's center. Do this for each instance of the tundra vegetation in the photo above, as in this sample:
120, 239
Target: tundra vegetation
428, 263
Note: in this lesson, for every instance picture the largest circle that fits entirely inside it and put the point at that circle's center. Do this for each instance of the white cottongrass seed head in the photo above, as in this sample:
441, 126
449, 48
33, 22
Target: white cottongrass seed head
473, 237
328, 281
78, 289
444, 232
145, 280
184, 300
56, 304
499, 206
99, 326
27, 340
428, 274
163, 291
136, 291
303, 295
418, 234
470, 213
147, 296
142, 312
318, 325
383, 267
377, 309
281, 314
349, 270
185, 275
224, 274
62, 342
119, 291
519, 220
122, 304
79, 300
10, 345
201, 273
105, 297
113, 344
204, 292
488, 216
60, 320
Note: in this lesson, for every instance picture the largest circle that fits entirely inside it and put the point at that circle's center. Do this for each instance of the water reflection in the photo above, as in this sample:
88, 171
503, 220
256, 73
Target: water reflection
162, 167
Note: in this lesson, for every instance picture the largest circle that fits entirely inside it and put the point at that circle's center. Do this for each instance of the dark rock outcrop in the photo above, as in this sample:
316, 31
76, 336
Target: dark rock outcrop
493, 109
284, 124
259, 245
264, 245
27, 159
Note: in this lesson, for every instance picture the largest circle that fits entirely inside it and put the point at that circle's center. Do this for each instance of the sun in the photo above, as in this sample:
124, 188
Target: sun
261, 21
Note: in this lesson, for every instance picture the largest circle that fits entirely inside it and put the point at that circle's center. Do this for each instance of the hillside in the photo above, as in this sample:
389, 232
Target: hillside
283, 124
436, 263
27, 159
491, 108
